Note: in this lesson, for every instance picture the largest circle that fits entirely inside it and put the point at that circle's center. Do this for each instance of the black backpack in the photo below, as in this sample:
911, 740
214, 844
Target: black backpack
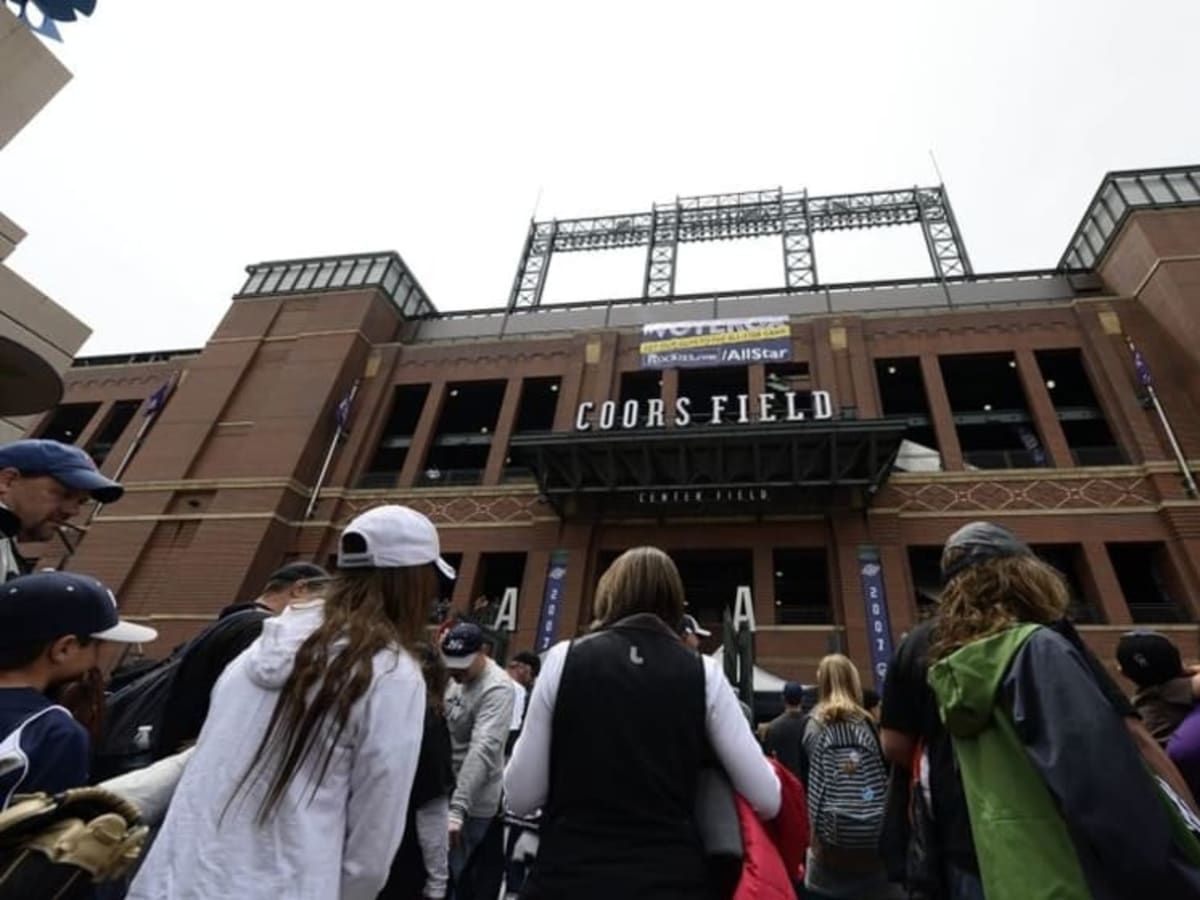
134, 715
133, 720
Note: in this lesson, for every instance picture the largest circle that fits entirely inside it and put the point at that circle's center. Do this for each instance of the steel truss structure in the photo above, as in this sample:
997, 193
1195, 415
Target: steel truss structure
794, 216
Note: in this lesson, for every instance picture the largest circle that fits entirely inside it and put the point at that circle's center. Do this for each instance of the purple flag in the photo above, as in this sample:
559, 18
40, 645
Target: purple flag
1141, 367
341, 414
158, 399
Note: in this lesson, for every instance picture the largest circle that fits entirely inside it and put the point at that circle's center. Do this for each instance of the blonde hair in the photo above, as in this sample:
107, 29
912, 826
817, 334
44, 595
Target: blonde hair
839, 690
641, 580
992, 596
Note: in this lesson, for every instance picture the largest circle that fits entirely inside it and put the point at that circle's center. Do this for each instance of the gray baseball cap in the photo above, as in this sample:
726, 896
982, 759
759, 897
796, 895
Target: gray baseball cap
981, 541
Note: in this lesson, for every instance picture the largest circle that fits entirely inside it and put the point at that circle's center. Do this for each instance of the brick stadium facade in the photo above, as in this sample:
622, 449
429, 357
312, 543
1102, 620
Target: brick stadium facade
475, 420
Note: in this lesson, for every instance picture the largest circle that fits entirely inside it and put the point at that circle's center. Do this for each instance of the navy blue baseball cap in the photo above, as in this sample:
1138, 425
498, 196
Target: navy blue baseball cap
461, 645
39, 608
793, 693
65, 463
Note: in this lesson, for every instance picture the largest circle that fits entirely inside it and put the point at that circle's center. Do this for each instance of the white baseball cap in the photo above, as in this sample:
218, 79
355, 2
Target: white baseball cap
389, 537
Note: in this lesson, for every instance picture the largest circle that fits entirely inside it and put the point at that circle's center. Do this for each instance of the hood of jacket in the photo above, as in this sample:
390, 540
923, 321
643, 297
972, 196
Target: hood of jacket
966, 682
269, 660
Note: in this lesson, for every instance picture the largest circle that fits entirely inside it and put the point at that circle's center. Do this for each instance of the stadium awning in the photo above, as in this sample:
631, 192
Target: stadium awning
783, 467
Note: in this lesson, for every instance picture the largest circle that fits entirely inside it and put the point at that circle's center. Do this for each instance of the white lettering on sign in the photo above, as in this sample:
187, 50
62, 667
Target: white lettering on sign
682, 496
724, 410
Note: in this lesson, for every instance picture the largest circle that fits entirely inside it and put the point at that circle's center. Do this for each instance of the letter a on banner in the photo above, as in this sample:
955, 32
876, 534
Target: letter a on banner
743, 609
879, 626
506, 619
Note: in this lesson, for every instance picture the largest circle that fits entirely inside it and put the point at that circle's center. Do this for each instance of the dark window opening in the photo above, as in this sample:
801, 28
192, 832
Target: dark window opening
902, 387
471, 407
1067, 559
68, 422
535, 412
119, 418
539, 402
925, 565
802, 587
1083, 423
497, 573
710, 582
992, 417
1000, 445
642, 385
456, 460
463, 438
793, 376
1142, 571
407, 402
701, 385
902, 391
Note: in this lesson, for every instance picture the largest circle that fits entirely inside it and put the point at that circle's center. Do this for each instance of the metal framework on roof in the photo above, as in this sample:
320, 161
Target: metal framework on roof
385, 271
794, 216
1119, 194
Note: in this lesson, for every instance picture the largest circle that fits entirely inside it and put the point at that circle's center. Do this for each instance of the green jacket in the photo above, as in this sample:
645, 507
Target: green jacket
1061, 803
1024, 848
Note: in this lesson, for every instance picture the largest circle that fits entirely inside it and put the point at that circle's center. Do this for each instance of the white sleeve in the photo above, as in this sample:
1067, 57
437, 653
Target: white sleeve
381, 777
527, 777
518, 715
433, 834
735, 746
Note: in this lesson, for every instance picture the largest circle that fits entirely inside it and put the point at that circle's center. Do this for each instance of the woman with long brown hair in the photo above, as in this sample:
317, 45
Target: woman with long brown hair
611, 751
1059, 801
300, 780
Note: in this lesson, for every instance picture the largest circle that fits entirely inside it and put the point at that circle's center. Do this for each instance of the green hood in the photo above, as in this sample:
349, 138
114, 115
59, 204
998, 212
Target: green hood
967, 681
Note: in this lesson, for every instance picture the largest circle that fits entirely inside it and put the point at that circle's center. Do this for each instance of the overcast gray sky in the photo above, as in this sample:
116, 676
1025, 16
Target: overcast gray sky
196, 137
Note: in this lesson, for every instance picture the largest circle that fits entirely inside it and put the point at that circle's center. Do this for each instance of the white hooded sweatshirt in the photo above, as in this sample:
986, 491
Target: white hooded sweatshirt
334, 841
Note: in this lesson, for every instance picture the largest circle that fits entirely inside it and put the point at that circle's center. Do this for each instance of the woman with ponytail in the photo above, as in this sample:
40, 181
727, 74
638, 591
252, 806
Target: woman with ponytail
300, 781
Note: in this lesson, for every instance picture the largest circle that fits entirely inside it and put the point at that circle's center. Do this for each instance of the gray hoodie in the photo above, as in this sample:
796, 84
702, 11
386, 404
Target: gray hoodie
332, 841
479, 714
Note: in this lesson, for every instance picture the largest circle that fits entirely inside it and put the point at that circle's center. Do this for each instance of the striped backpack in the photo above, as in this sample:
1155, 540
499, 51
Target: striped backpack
847, 784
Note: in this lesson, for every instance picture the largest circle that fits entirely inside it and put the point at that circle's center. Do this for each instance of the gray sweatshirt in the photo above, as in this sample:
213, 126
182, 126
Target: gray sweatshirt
479, 715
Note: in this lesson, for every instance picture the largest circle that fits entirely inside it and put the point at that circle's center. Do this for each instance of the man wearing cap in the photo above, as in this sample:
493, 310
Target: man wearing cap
1166, 691
692, 633
237, 627
43, 484
785, 735
479, 710
53, 626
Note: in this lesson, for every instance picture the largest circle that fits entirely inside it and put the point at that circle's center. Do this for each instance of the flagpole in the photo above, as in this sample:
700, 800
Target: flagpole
133, 447
337, 436
1148, 384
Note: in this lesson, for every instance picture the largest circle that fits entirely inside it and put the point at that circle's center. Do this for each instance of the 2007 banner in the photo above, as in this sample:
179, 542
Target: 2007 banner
715, 342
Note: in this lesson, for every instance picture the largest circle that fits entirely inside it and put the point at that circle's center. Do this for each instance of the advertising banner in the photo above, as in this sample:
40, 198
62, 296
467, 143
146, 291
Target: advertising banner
879, 626
715, 342
556, 585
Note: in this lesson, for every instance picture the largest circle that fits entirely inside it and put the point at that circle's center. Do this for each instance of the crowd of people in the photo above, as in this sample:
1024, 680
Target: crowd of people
326, 741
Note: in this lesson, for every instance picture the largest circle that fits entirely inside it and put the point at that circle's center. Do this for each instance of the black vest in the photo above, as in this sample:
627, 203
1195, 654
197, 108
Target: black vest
626, 746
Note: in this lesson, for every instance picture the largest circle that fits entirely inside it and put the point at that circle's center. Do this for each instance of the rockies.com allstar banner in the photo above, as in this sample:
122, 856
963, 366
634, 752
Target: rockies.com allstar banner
879, 626
715, 342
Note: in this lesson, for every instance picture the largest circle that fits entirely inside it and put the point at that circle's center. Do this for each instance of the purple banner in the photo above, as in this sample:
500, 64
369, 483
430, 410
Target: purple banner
556, 584
879, 626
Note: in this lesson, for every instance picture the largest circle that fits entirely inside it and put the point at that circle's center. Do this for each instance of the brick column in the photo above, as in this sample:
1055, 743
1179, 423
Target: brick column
529, 604
756, 383
422, 439
506, 422
940, 413
1112, 378
670, 393
95, 423
466, 586
847, 530
862, 374
764, 584
1100, 582
1045, 419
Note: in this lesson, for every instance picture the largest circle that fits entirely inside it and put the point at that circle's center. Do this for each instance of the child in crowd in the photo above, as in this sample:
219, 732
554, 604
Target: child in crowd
53, 628
1166, 690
